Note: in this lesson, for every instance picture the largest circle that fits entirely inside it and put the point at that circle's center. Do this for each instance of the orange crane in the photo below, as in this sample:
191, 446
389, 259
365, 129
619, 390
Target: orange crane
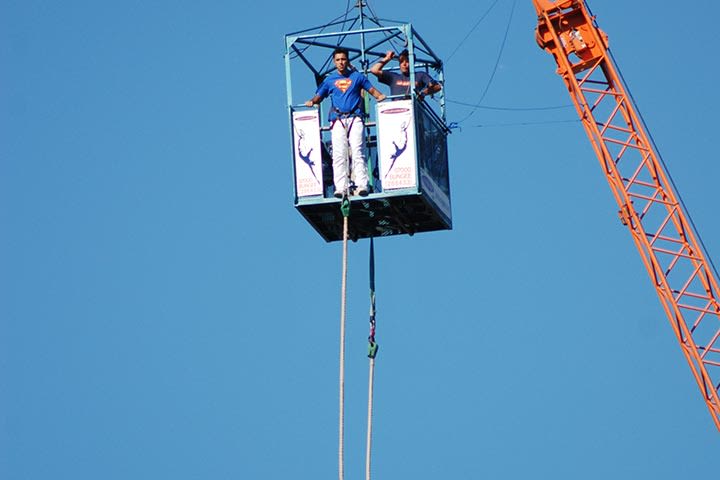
670, 248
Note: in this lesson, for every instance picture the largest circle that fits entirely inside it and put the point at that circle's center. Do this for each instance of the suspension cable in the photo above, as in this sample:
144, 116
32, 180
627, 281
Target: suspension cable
497, 63
372, 352
482, 17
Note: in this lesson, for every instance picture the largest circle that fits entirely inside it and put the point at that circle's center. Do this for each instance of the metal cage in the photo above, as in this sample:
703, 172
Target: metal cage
405, 136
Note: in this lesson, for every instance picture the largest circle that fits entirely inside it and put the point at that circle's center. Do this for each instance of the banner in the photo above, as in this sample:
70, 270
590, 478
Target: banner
306, 148
396, 144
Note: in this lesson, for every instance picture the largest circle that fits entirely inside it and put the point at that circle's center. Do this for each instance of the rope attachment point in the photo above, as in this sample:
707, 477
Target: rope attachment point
372, 348
372, 344
345, 206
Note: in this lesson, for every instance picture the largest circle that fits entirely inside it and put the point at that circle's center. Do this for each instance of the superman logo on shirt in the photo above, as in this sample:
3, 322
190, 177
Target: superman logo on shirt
343, 84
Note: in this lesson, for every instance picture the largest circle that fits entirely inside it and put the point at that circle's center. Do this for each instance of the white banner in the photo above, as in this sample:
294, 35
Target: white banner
306, 147
396, 144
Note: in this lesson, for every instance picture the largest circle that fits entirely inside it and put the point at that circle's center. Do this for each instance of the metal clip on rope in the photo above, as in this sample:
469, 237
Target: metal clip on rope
372, 348
345, 206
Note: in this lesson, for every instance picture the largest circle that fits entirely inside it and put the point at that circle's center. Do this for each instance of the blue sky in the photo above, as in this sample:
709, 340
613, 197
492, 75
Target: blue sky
166, 313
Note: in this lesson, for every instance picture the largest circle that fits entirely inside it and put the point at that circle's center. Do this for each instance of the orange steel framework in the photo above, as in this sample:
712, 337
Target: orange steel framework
670, 249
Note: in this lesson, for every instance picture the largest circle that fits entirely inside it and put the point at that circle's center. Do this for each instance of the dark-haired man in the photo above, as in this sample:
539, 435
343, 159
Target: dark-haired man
344, 86
400, 82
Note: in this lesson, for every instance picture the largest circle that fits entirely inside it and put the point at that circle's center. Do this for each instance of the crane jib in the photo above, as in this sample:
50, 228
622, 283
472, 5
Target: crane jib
670, 248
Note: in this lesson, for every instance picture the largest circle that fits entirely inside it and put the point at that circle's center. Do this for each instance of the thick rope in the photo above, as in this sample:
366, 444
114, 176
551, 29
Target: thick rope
341, 442
369, 419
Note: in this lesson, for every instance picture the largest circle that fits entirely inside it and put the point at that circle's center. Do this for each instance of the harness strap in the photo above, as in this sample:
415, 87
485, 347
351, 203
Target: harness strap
346, 126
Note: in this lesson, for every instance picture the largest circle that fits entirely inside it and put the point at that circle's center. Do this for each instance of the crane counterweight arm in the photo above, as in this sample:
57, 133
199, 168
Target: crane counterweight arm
684, 279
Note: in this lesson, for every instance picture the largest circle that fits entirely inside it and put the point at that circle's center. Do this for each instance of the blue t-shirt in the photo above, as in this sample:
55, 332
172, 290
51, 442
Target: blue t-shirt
400, 84
344, 92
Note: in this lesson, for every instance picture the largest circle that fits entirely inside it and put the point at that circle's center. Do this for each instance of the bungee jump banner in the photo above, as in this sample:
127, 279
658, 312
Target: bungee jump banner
396, 144
307, 153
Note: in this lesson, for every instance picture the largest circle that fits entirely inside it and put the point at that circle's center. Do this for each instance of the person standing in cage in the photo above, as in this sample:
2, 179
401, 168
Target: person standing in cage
344, 86
400, 82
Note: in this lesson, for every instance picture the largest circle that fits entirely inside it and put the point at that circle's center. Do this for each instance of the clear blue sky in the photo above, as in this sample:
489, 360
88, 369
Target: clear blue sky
166, 314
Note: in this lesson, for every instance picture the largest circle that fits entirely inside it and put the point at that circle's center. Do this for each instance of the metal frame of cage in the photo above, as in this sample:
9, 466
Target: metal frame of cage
389, 212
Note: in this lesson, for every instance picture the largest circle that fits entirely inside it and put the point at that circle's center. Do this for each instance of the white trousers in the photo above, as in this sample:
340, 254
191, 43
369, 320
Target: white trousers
348, 135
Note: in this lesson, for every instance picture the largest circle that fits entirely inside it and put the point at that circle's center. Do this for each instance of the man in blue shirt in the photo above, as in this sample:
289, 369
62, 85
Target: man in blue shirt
344, 87
400, 82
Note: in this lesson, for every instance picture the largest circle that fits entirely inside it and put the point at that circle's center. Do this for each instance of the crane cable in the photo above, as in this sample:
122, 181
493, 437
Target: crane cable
482, 17
345, 209
497, 63
372, 352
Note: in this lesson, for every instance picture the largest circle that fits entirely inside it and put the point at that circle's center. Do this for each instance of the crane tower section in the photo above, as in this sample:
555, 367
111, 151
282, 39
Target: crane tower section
684, 278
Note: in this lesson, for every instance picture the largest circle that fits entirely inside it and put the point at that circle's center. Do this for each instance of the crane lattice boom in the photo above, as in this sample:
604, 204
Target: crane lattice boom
669, 247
